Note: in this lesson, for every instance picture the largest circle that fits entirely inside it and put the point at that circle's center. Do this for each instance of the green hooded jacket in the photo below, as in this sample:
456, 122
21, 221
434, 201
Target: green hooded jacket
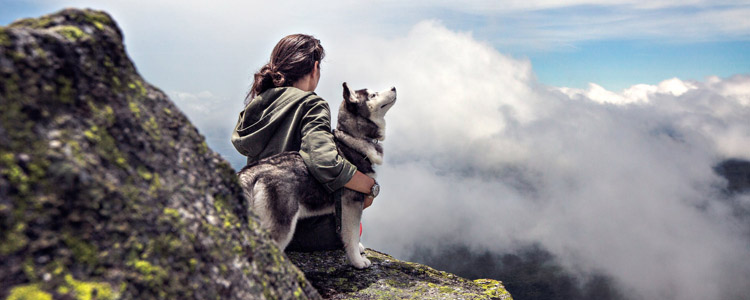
289, 119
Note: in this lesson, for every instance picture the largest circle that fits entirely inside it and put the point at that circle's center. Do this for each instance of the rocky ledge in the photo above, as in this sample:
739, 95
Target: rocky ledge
107, 191
389, 278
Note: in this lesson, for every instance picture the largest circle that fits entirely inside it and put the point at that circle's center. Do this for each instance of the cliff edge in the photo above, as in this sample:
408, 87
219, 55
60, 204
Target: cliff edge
389, 278
107, 191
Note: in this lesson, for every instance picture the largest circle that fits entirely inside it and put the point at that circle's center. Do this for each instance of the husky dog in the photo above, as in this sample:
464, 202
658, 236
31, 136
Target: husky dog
280, 189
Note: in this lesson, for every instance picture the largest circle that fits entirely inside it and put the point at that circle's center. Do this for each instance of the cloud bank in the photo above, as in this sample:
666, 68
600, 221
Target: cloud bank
478, 153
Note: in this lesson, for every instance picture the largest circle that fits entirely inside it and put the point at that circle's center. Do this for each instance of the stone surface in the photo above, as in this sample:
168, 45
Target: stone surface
389, 278
106, 189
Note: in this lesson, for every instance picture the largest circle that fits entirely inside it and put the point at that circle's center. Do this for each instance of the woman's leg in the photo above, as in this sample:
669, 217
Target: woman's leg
316, 234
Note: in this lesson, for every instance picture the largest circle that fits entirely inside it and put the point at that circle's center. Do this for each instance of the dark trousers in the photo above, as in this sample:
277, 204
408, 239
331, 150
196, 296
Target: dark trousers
315, 234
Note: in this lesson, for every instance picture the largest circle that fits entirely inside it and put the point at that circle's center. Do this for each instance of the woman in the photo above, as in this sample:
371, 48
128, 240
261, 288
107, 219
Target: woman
284, 114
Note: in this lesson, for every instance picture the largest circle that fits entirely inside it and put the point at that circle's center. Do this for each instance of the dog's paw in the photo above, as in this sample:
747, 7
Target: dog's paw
361, 249
361, 264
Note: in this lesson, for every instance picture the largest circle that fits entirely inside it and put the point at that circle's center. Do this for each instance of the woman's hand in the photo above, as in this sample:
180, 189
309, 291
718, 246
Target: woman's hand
360, 183
363, 184
368, 201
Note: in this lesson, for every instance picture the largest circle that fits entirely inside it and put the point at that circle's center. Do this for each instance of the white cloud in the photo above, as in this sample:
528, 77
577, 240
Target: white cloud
639, 93
479, 153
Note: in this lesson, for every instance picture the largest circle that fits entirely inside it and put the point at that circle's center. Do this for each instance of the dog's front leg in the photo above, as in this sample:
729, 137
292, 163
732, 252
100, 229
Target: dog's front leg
351, 214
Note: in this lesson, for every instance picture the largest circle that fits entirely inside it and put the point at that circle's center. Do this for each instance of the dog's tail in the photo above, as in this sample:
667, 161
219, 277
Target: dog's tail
247, 180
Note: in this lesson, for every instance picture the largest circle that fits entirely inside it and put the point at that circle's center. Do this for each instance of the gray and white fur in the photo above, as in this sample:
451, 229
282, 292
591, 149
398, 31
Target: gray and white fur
280, 189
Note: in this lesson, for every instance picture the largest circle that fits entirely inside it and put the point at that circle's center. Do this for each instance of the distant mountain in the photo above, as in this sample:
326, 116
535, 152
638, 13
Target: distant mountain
737, 174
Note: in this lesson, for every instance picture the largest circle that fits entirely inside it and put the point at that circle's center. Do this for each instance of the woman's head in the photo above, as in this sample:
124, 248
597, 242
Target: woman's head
293, 57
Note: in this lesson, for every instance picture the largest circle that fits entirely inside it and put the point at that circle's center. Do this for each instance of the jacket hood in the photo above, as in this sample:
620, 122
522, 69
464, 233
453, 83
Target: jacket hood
263, 116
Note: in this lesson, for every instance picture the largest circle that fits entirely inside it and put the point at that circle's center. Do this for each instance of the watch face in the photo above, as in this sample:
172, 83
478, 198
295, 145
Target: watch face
375, 190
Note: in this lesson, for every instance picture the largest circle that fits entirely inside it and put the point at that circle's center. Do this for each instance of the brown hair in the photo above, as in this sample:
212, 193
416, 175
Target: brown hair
293, 57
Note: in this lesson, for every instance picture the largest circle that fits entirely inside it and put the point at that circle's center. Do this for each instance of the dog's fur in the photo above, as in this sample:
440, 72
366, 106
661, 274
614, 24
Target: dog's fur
281, 190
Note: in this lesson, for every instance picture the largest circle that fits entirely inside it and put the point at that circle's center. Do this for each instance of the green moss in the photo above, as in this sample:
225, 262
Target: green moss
144, 173
28, 292
105, 145
109, 64
104, 116
4, 37
151, 273
141, 89
193, 263
96, 17
37, 23
172, 212
83, 252
152, 128
202, 148
28, 269
90, 290
91, 134
58, 268
135, 109
70, 32
11, 90
14, 240
137, 85
17, 55
493, 288
14, 173
220, 203
65, 90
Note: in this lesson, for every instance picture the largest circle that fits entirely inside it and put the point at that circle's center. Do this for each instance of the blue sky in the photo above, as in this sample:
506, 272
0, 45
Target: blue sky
637, 42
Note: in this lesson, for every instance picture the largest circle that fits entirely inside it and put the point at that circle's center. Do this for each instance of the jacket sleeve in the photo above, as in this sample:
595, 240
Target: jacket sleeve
318, 149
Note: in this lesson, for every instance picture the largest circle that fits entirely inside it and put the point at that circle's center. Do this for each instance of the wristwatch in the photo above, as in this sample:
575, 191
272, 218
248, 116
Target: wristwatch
375, 190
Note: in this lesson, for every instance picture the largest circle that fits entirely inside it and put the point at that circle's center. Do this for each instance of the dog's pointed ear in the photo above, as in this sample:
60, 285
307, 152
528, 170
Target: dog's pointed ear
350, 99
349, 96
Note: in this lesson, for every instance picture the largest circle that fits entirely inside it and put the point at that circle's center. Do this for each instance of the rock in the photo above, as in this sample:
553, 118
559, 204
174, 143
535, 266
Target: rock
389, 278
106, 189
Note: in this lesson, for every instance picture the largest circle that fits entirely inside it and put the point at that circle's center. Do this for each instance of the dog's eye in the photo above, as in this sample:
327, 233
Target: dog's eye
372, 96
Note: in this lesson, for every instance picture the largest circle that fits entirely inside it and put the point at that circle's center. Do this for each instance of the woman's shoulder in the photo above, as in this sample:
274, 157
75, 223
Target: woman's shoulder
309, 98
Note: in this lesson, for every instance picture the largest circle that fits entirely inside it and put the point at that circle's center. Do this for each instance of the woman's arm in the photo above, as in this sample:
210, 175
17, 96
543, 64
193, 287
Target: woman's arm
360, 183
363, 184
319, 152
318, 149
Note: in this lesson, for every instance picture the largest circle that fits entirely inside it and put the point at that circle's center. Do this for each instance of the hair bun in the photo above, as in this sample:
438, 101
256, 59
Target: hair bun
278, 78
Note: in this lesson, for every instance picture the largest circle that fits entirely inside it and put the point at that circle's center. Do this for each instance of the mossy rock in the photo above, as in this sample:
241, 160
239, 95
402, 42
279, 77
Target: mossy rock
389, 278
107, 191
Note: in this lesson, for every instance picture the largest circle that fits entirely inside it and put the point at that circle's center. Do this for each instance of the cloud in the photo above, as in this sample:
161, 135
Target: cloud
214, 116
479, 153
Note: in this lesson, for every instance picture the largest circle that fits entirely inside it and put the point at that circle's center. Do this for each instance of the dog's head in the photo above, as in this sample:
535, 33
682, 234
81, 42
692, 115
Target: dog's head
364, 106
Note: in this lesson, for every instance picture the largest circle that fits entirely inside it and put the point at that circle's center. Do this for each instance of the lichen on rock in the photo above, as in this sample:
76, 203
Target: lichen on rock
389, 278
106, 189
